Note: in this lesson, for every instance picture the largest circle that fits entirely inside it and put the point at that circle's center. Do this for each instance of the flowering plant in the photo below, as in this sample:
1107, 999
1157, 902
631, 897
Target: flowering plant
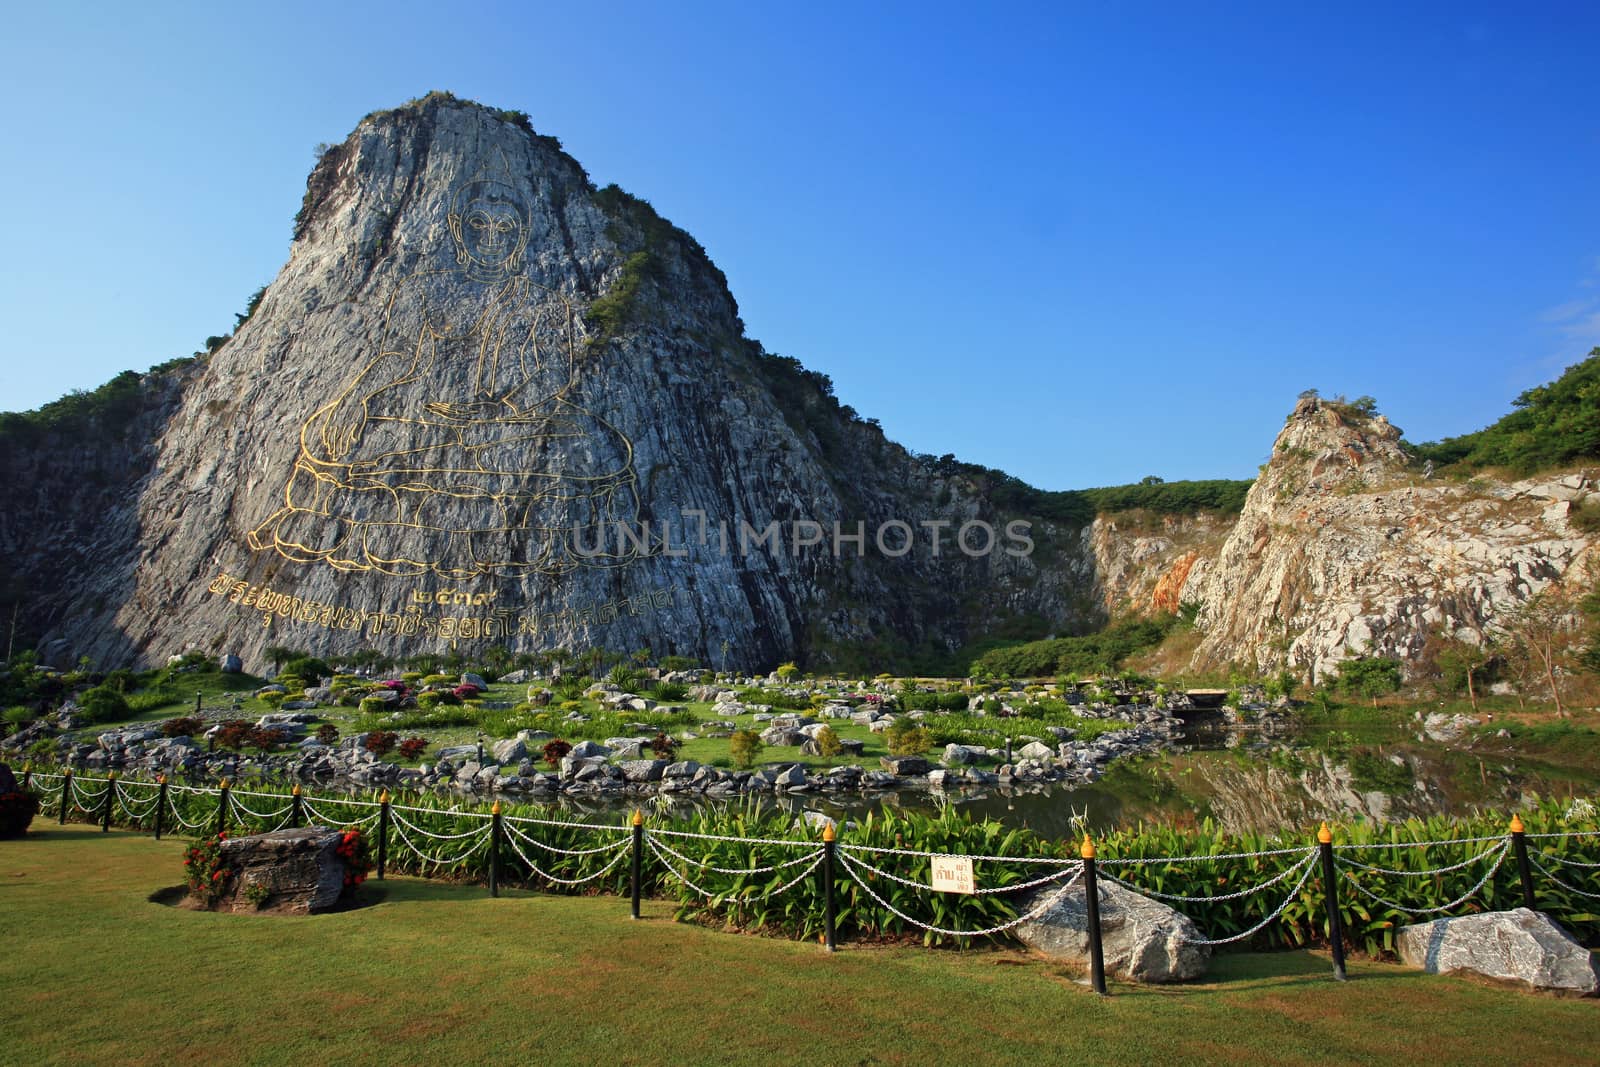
207, 875
354, 853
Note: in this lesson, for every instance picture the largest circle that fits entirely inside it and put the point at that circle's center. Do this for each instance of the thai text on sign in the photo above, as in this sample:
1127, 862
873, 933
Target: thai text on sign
952, 874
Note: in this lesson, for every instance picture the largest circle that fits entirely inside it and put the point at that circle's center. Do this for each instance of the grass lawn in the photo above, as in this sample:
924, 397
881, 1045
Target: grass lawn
91, 972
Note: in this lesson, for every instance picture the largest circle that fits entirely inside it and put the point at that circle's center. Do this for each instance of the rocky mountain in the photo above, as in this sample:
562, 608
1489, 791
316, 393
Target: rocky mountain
486, 402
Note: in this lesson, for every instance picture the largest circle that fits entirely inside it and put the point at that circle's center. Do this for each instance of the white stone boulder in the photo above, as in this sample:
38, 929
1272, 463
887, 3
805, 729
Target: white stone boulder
1511, 946
1141, 939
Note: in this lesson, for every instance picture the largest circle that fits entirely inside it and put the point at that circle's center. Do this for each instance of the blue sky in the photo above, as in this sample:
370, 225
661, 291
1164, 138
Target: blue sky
1081, 243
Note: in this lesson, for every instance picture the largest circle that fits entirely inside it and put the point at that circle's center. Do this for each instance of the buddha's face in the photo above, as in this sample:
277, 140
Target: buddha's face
490, 229
490, 232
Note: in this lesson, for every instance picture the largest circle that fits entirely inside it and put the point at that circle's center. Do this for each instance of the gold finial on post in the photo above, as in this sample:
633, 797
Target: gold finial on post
383, 797
161, 779
1516, 823
1087, 851
638, 817
496, 809
828, 833
1325, 835
224, 784
296, 790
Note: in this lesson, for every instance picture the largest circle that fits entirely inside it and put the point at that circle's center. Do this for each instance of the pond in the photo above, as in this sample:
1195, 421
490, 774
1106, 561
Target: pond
1243, 778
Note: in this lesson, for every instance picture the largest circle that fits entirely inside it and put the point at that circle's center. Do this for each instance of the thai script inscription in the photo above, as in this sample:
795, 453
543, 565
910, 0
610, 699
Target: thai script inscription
414, 622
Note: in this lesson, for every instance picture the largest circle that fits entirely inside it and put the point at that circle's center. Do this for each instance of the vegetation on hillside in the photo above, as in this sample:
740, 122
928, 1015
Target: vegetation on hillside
1097, 653
1553, 425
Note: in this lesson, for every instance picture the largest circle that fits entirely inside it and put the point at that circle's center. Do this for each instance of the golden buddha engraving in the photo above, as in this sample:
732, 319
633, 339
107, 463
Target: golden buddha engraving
459, 449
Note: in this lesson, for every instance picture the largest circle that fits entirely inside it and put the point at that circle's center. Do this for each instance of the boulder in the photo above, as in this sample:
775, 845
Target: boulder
905, 765
297, 869
514, 678
781, 736
643, 770
962, 755
231, 664
1143, 940
1036, 750
1511, 946
588, 750
510, 751
790, 777
474, 680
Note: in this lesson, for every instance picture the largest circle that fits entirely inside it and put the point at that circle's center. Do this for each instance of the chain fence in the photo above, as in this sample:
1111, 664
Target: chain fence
796, 884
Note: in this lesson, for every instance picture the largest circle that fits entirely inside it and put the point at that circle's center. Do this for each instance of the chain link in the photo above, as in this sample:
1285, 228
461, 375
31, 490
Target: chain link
851, 865
414, 828
734, 870
547, 876
239, 806
1115, 862
1421, 874
1283, 875
436, 861
1349, 877
1569, 888
565, 851
1305, 876
1015, 887
1059, 861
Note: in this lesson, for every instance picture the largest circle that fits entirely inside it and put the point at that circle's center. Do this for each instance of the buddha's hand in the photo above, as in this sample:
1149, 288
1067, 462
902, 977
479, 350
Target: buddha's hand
479, 411
341, 432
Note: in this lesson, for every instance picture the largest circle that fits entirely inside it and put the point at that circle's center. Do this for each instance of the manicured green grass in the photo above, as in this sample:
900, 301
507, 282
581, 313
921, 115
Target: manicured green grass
91, 972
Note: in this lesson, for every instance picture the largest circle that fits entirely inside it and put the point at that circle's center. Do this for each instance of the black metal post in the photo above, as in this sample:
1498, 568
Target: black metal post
828, 845
1330, 890
296, 808
638, 859
197, 697
1519, 845
111, 797
222, 808
161, 806
383, 832
66, 795
494, 850
1091, 904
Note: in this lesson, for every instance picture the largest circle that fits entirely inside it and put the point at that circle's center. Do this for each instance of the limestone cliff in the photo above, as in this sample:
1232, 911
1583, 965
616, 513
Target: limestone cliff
485, 402
1345, 548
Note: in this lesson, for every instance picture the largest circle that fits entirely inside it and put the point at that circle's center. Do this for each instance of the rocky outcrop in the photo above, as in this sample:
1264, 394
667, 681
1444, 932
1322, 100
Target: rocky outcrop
1141, 560
486, 403
1519, 946
1142, 939
1345, 548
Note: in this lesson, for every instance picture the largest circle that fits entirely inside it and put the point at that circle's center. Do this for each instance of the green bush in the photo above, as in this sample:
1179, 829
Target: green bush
906, 738
102, 704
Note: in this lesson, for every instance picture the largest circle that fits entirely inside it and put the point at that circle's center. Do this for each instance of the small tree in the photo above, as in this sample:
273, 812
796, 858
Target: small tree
664, 745
787, 672
1370, 676
1542, 633
746, 746
828, 743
